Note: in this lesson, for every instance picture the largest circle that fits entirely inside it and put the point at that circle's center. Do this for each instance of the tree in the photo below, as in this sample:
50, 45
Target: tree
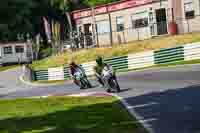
20, 16
96, 2
63, 6
25, 16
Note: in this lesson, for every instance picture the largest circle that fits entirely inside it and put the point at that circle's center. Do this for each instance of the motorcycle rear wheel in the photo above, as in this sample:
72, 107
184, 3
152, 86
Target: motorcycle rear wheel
114, 85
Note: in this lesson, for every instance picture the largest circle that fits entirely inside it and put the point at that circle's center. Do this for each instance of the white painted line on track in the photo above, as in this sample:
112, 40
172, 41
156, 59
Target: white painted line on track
148, 120
142, 105
136, 115
84, 94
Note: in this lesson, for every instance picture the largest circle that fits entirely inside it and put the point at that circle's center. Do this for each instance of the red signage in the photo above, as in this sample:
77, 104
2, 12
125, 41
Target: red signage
111, 7
82, 14
127, 4
86, 13
100, 10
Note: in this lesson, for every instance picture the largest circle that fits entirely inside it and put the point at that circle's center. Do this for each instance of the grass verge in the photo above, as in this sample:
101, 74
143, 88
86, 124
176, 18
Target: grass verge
66, 115
117, 50
4, 68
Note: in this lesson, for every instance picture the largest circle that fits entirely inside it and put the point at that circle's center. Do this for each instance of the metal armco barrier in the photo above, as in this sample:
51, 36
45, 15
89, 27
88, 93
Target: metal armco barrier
129, 62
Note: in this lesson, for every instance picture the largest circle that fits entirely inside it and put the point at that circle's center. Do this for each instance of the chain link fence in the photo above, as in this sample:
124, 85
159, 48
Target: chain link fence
141, 31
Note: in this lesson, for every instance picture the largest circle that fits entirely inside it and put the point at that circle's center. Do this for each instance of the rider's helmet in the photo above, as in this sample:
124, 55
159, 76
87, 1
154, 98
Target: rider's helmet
72, 62
99, 60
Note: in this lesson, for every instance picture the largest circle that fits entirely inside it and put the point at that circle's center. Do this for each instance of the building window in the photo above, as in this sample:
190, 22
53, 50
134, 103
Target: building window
120, 23
140, 19
7, 50
150, 17
189, 10
103, 27
140, 23
19, 49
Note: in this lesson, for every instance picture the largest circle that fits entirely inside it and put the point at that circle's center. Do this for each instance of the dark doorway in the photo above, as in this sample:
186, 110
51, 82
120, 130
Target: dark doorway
161, 21
88, 34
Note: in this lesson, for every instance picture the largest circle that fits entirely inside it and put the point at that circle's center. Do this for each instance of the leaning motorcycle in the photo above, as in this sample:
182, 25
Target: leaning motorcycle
109, 81
82, 78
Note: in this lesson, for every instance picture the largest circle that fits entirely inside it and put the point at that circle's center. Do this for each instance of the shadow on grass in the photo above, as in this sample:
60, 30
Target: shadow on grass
97, 118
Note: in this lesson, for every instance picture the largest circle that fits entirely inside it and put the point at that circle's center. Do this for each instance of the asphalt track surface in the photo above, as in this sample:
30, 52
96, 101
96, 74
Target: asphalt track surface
167, 100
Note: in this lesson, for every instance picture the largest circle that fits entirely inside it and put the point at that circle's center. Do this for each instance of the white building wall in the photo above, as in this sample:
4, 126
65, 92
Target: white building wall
131, 34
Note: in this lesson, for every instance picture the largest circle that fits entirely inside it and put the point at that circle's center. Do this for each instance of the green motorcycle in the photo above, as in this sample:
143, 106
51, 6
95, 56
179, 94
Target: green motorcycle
82, 78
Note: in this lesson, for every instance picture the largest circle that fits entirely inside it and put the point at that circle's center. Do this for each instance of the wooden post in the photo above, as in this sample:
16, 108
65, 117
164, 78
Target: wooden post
94, 28
111, 36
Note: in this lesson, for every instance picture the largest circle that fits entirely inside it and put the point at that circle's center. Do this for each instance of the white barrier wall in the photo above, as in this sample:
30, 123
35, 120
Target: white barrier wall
89, 68
192, 51
56, 73
139, 60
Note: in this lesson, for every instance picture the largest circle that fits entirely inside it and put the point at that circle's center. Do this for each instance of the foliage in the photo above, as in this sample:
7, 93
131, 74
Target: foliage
21, 16
97, 2
25, 16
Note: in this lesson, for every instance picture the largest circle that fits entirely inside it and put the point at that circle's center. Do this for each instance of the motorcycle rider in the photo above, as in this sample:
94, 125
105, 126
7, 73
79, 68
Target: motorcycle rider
73, 68
99, 68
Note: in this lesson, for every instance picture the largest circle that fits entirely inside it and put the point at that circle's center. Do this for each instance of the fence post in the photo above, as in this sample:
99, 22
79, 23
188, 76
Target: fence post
124, 37
138, 34
111, 31
188, 25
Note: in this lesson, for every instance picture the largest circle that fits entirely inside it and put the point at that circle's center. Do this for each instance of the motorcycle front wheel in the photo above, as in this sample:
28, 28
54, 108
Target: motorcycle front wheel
86, 83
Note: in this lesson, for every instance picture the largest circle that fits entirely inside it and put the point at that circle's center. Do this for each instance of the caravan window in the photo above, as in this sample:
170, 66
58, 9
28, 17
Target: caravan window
7, 50
19, 49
